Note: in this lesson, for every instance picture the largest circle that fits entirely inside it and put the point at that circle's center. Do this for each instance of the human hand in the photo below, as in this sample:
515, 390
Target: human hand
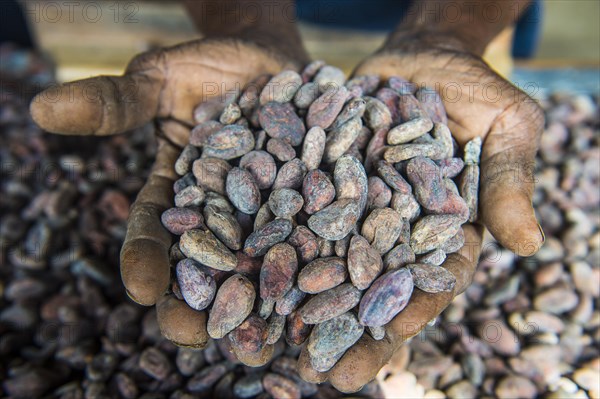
165, 85
510, 124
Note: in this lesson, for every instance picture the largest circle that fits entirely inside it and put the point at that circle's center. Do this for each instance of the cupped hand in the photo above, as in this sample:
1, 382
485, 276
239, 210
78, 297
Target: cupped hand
479, 103
165, 85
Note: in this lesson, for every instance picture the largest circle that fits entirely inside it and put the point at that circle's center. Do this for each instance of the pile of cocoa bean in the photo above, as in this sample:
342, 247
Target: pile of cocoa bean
310, 207
67, 328
526, 327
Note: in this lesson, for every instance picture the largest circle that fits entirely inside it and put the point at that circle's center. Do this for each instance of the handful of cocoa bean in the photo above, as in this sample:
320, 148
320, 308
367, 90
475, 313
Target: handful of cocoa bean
310, 207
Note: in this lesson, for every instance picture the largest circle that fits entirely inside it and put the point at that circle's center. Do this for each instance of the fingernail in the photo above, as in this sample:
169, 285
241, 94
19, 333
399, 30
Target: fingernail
542, 233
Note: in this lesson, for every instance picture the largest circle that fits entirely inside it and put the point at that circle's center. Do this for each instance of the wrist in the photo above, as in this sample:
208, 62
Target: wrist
415, 40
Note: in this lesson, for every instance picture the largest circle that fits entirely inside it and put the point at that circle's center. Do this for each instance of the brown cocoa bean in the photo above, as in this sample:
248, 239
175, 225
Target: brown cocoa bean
275, 328
281, 149
432, 104
390, 98
305, 96
434, 258
382, 229
341, 246
225, 226
317, 190
296, 331
211, 174
281, 122
350, 181
290, 175
305, 242
247, 265
263, 216
336, 220
218, 201
278, 271
379, 194
323, 111
204, 247
340, 139
290, 301
364, 262
232, 141
387, 297
400, 256
183, 164
375, 149
249, 99
329, 340
233, 303
329, 76
426, 178
251, 335
432, 231
313, 147
329, 304
469, 189
377, 116
406, 205
451, 167
197, 287
311, 70
180, 220
367, 83
230, 114
189, 196
354, 108
261, 240
430, 278
285, 202
281, 88
454, 243
261, 166
242, 190
322, 274
403, 152
443, 137
392, 178
200, 134
280, 387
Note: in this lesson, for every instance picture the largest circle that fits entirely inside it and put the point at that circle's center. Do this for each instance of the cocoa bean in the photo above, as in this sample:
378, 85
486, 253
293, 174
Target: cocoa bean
390, 98
430, 278
305, 242
364, 262
261, 166
432, 104
382, 229
190, 196
451, 167
242, 190
275, 328
261, 240
285, 202
211, 173
406, 205
317, 190
180, 220
432, 231
340, 139
281, 88
296, 330
280, 387
387, 296
329, 304
290, 175
313, 147
233, 303
279, 121
183, 164
350, 181
329, 340
323, 111
290, 301
230, 114
329, 77
403, 152
336, 220
224, 226
263, 216
322, 274
232, 141
392, 178
305, 96
281, 149
379, 194
279, 268
204, 247
251, 335
197, 287
367, 83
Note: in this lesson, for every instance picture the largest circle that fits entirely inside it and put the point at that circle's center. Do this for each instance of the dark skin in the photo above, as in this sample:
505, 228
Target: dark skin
446, 53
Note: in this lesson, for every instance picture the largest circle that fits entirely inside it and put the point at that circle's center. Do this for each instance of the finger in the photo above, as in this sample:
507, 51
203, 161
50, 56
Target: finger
361, 363
507, 183
255, 359
306, 371
144, 255
99, 106
181, 324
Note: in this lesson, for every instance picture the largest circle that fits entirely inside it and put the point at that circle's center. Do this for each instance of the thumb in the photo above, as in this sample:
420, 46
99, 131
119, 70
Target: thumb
99, 106
507, 179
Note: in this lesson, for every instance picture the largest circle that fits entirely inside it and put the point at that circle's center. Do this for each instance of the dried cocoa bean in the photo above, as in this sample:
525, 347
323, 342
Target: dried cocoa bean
183, 164
285, 202
296, 330
387, 296
313, 147
224, 226
200, 134
204, 247
275, 328
328, 77
211, 173
432, 104
305, 96
379, 194
263, 216
451, 167
432, 231
290, 301
230, 114
232, 141
281, 122
261, 166
281, 88
305, 242
189, 196
261, 240
350, 181
336, 220
406, 205
322, 274
251, 335
430, 278
281, 149
278, 271
364, 262
179, 220
290, 175
329, 304
323, 111
340, 139
280, 387
317, 190
382, 229
197, 287
242, 190
233, 303
329, 340
403, 152
392, 178
434, 258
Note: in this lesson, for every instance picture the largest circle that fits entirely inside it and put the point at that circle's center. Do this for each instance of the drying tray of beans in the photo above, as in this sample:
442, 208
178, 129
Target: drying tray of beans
68, 330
